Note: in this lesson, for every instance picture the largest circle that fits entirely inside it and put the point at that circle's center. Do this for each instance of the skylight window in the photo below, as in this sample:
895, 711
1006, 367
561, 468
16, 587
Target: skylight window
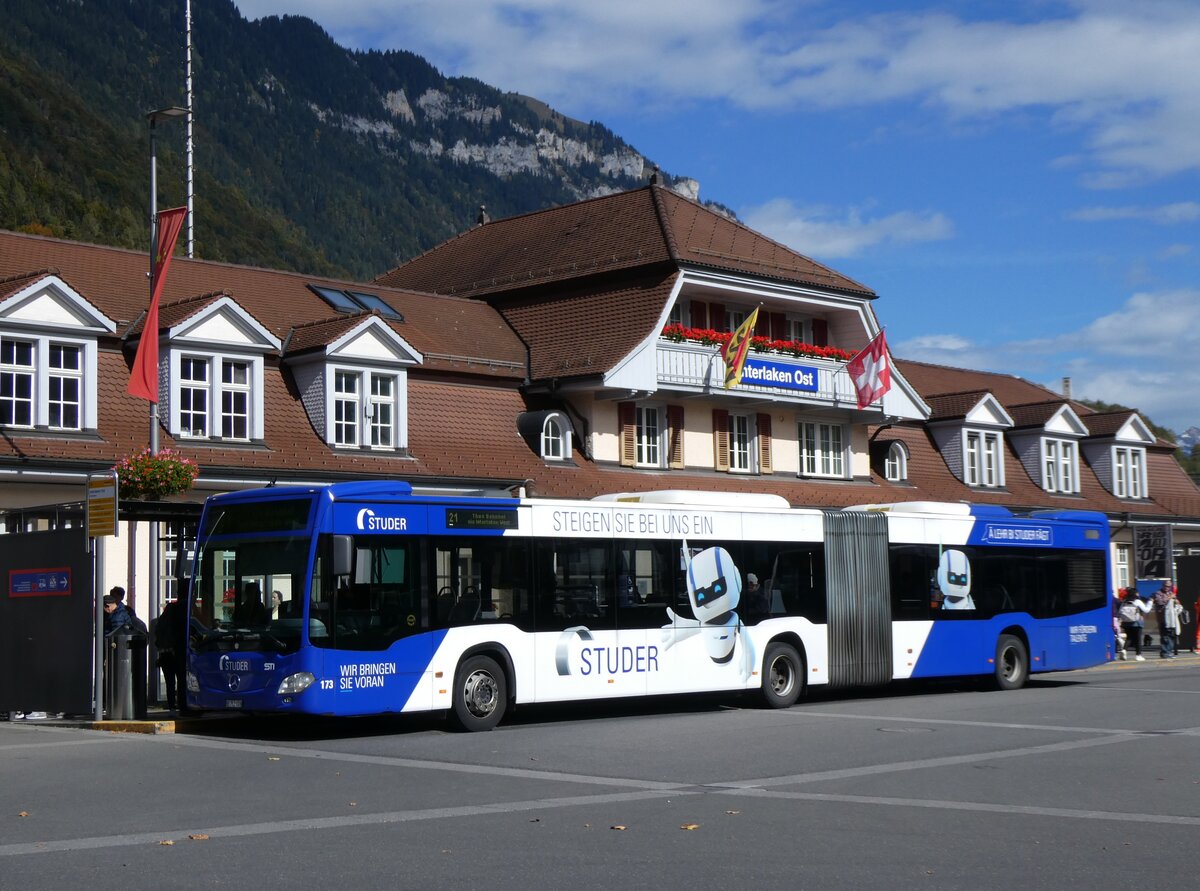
355, 301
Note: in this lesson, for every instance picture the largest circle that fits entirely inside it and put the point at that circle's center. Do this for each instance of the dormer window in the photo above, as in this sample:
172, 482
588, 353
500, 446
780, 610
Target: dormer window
556, 438
364, 408
48, 358
895, 465
983, 463
218, 397
1129, 472
1060, 466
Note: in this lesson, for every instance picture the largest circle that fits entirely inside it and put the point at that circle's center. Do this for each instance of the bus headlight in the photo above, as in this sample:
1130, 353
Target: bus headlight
193, 685
296, 683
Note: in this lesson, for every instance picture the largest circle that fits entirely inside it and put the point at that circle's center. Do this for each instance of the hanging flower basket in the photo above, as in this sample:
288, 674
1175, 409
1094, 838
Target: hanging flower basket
153, 477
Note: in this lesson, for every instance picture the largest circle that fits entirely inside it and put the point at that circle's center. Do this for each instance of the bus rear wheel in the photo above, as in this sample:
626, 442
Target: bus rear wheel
480, 694
1012, 663
783, 676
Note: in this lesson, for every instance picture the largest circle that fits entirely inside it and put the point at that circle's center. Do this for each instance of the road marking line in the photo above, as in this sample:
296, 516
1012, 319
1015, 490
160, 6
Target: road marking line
925, 763
311, 823
980, 807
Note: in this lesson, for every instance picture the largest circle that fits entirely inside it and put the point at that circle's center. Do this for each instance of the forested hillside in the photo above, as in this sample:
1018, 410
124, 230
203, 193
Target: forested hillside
308, 156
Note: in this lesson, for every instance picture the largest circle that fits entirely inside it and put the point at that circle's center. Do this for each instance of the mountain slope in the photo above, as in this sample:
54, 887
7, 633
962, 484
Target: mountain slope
308, 156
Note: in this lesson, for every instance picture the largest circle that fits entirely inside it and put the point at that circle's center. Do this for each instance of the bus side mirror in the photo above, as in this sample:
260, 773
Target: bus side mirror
343, 555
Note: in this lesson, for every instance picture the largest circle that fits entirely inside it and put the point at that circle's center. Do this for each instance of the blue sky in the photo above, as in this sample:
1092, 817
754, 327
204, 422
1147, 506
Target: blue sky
1018, 181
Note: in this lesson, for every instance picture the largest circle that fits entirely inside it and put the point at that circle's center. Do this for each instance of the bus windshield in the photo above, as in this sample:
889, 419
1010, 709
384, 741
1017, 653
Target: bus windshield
248, 592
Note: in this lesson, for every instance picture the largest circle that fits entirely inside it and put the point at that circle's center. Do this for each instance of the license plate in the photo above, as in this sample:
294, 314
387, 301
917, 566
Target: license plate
233, 703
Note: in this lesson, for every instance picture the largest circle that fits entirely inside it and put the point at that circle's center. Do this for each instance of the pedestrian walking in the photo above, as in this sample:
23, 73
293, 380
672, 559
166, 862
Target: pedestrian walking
1133, 612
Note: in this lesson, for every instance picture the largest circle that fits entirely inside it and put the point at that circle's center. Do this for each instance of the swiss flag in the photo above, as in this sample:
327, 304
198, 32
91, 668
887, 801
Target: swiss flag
871, 371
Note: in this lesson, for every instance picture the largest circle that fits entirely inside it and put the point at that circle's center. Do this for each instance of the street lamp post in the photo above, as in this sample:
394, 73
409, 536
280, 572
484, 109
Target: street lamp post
154, 117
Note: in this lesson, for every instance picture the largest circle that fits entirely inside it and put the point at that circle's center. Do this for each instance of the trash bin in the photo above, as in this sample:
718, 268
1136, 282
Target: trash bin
126, 680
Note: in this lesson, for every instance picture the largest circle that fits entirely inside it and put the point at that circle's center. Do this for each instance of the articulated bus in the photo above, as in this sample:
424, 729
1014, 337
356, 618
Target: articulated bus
363, 598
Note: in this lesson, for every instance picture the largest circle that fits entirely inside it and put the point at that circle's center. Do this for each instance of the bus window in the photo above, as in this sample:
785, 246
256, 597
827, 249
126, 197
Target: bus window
914, 580
645, 583
482, 580
797, 583
378, 604
574, 584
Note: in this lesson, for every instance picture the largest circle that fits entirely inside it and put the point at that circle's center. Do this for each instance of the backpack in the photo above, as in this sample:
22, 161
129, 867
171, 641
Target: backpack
1129, 612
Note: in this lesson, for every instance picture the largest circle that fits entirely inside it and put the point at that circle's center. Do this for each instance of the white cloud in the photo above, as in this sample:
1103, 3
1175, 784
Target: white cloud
818, 232
1124, 75
1168, 214
1141, 355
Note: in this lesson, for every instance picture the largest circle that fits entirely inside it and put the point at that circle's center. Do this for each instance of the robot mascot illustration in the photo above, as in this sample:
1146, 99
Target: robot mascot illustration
954, 580
714, 586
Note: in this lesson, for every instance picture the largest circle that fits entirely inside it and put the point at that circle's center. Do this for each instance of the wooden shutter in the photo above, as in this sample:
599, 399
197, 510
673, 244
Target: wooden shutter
764, 443
698, 314
762, 325
721, 439
716, 317
820, 329
778, 326
627, 422
675, 437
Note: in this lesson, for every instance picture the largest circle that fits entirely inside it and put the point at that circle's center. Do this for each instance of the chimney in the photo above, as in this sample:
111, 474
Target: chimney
483, 215
1066, 387
656, 177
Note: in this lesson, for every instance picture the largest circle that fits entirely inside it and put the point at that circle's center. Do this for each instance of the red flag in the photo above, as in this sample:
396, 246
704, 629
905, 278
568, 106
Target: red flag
871, 371
734, 352
143, 379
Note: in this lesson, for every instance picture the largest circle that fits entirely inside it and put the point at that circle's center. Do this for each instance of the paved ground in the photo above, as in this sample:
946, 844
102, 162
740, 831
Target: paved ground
1087, 779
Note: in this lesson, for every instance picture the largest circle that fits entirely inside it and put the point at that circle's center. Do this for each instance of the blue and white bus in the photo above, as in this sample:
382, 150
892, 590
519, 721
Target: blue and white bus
363, 598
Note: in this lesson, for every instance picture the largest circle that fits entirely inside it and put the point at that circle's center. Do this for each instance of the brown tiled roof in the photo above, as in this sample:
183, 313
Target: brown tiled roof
948, 406
584, 330
12, 284
1034, 414
626, 230
448, 331
933, 380
1109, 422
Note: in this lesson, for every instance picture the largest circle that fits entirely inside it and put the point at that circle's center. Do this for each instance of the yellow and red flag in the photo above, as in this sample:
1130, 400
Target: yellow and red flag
734, 352
143, 378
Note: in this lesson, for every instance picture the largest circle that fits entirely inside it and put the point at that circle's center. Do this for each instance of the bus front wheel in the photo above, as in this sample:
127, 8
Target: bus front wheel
1012, 663
783, 676
480, 694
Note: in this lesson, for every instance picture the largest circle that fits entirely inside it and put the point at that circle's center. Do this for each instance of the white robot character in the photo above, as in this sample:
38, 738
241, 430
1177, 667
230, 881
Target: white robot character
954, 580
714, 587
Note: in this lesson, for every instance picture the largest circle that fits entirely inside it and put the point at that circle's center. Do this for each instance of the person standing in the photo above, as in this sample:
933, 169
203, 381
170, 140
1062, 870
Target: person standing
1161, 598
1133, 611
1170, 626
170, 640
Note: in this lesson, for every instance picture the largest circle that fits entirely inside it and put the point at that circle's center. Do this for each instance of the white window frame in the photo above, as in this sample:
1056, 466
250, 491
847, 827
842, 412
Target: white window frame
797, 329
895, 465
1129, 472
41, 373
232, 392
823, 447
1060, 466
679, 314
215, 388
378, 421
555, 438
743, 443
650, 444
983, 459
1121, 564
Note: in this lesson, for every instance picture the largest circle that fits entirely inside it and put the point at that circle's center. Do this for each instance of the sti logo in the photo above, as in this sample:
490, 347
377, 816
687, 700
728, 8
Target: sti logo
368, 522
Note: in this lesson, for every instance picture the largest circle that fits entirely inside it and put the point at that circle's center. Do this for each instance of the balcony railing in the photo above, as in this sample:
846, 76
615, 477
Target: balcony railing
699, 368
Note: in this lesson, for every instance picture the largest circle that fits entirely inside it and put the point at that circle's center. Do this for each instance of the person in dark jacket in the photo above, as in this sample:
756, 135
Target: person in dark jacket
116, 614
170, 640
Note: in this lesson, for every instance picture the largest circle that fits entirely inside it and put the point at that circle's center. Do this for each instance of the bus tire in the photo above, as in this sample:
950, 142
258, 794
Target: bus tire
783, 676
480, 694
1012, 663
